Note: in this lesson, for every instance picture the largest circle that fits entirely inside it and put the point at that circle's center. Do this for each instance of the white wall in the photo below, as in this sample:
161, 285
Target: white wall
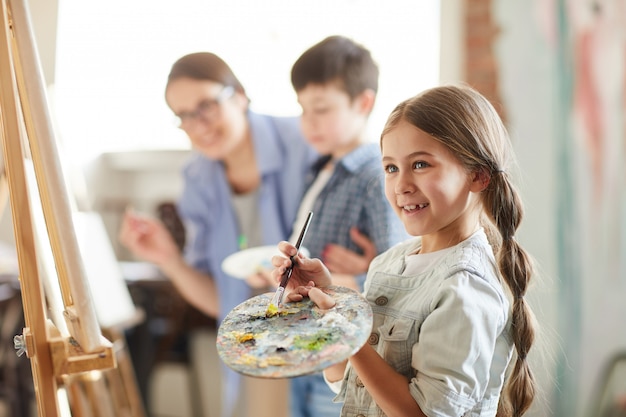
575, 224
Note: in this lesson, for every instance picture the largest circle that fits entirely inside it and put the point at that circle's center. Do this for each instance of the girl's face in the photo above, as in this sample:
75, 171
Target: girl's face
431, 192
213, 117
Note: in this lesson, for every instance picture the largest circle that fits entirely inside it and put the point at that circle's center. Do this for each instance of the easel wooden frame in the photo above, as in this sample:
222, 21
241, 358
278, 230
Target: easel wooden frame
27, 131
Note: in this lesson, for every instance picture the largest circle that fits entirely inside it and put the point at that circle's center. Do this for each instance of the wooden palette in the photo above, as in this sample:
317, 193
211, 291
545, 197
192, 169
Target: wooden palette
300, 340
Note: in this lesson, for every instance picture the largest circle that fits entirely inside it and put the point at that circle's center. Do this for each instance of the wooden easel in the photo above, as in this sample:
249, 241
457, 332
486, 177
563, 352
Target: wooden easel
83, 362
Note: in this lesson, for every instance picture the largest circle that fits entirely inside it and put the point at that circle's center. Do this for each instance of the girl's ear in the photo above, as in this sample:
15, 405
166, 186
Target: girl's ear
480, 181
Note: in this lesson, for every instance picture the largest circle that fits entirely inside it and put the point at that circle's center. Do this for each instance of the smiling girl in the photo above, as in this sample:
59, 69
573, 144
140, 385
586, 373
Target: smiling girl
449, 307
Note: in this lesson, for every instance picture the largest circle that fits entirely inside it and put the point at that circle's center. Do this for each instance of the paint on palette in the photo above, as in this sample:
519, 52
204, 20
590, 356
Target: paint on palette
300, 339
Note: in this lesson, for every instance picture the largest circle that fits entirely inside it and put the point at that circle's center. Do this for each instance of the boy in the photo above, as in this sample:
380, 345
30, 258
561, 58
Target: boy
336, 82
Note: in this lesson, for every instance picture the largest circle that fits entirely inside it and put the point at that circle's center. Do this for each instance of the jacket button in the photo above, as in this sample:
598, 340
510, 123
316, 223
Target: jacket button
359, 383
373, 339
381, 301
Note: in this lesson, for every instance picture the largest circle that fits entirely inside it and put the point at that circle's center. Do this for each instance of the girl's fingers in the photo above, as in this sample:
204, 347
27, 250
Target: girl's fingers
304, 290
294, 297
321, 299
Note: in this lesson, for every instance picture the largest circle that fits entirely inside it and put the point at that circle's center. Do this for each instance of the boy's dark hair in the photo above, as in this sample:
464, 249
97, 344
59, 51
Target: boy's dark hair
336, 59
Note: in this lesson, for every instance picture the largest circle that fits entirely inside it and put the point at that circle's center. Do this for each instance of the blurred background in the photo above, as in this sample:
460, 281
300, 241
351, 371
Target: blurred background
554, 69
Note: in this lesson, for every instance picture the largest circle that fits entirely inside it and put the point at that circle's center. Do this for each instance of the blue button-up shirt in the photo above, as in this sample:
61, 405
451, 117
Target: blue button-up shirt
284, 159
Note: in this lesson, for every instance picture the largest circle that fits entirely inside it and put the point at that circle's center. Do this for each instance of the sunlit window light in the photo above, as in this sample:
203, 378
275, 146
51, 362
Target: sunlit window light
113, 59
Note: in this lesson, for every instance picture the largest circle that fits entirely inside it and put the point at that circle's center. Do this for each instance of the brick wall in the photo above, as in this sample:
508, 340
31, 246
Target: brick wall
481, 68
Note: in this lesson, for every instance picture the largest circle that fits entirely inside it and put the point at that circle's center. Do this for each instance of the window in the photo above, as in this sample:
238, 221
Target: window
113, 59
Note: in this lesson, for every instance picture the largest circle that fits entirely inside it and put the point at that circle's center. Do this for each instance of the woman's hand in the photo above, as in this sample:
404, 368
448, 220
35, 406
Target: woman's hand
148, 239
305, 270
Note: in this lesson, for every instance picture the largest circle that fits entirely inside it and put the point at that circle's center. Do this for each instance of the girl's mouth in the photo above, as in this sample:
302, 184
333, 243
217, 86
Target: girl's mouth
414, 207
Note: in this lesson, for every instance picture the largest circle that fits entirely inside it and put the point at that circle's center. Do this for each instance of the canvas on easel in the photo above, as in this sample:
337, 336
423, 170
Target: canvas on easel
113, 392
74, 347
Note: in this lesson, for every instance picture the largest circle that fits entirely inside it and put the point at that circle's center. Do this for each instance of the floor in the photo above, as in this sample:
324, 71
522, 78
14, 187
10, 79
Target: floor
177, 389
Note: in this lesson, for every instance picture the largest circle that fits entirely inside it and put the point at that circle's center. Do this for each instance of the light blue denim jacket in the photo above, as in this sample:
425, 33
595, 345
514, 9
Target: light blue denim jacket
447, 330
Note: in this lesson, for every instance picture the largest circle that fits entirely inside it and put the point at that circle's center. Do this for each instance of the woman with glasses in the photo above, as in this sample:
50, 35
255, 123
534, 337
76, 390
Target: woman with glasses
242, 187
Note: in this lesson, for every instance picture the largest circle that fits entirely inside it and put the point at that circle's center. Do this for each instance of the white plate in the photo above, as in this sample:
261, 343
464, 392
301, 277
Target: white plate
244, 263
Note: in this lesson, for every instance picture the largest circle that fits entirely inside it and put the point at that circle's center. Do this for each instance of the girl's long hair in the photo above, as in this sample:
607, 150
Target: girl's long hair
463, 120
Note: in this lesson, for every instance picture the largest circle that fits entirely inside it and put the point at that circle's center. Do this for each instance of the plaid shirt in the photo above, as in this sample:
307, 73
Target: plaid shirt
353, 196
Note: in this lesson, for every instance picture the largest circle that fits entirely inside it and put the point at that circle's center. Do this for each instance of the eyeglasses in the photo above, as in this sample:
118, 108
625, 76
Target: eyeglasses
205, 111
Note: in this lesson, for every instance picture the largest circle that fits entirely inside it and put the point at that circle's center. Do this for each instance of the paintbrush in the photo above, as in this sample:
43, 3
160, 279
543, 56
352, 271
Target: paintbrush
280, 291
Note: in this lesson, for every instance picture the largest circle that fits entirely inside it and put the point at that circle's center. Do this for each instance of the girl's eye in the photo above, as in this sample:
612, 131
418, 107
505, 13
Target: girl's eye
390, 169
420, 164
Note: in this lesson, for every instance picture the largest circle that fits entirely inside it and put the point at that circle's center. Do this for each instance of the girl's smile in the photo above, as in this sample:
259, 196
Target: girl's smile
414, 207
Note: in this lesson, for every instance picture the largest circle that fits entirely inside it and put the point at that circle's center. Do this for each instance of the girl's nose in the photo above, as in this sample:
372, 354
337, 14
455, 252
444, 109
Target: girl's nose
405, 184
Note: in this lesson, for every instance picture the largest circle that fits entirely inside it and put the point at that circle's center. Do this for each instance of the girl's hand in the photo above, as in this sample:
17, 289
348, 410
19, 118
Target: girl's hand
319, 297
305, 270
